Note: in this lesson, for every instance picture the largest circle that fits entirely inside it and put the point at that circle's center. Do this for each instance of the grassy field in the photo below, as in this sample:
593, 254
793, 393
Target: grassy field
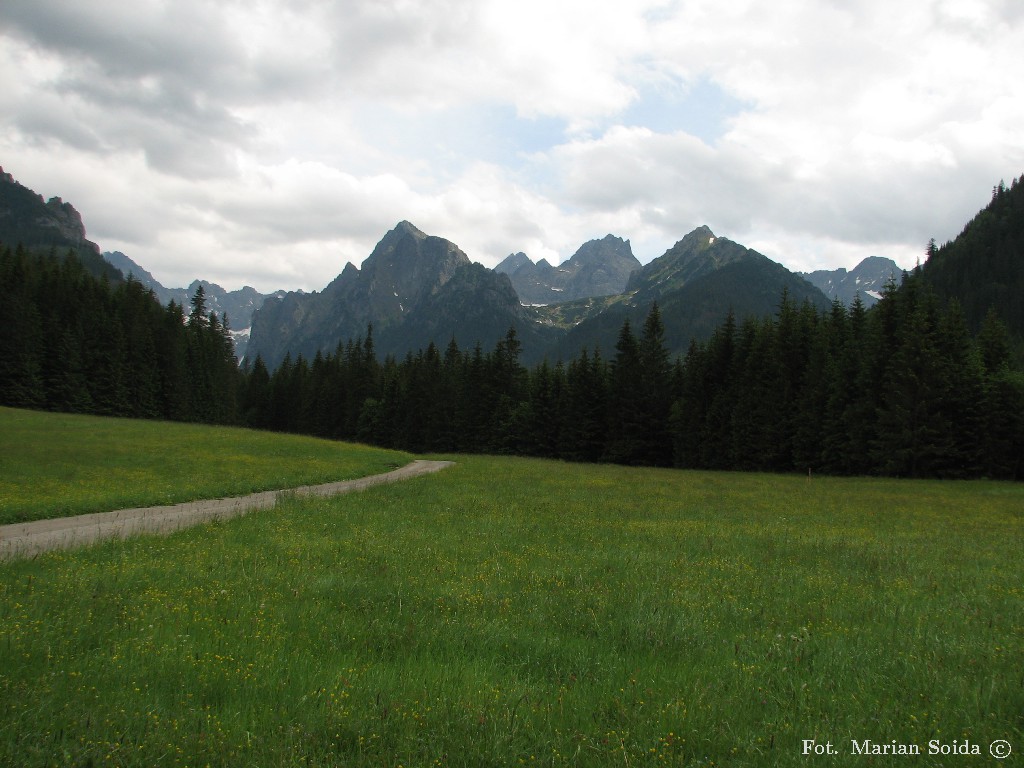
518, 612
53, 465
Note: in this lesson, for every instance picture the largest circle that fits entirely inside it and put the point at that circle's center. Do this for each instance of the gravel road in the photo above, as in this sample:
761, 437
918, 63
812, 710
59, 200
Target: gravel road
28, 539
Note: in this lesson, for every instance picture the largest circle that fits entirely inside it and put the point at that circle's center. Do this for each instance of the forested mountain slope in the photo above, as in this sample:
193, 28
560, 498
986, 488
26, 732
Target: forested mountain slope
696, 283
983, 268
53, 225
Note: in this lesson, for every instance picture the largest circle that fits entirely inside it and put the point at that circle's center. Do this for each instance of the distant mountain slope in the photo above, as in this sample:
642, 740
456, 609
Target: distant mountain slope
238, 306
403, 291
696, 283
598, 268
44, 226
699, 253
128, 267
475, 306
867, 279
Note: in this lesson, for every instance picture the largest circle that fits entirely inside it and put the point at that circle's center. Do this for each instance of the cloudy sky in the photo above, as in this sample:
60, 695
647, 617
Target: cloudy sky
269, 142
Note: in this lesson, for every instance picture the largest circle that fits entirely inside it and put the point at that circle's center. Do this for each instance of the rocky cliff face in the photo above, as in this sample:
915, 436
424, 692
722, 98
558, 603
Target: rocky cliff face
866, 279
599, 268
400, 290
475, 306
44, 226
405, 268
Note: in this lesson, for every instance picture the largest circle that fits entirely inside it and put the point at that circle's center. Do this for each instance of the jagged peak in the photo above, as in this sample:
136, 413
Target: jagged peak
514, 262
703, 232
406, 227
609, 245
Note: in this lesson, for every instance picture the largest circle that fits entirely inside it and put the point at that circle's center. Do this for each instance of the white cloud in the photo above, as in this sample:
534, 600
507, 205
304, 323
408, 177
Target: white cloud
270, 142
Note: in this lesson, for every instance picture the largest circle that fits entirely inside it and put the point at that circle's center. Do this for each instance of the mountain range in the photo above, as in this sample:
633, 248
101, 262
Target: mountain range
867, 280
237, 306
414, 289
598, 268
696, 284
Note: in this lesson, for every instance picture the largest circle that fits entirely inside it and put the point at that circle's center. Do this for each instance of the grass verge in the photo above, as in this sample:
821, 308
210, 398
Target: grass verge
57, 465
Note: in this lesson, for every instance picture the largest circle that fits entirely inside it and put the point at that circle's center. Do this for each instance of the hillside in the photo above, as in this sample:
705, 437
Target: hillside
237, 306
696, 283
45, 226
475, 306
983, 267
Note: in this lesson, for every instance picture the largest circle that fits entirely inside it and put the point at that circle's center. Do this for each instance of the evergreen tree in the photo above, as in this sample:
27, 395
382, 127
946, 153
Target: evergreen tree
750, 392
139, 316
720, 396
255, 402
197, 317
541, 416
690, 408
626, 439
914, 433
172, 339
21, 343
962, 383
654, 396
586, 409
1002, 451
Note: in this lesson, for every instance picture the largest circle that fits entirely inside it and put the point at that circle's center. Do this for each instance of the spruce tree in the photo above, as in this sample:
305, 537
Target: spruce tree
655, 396
586, 409
626, 441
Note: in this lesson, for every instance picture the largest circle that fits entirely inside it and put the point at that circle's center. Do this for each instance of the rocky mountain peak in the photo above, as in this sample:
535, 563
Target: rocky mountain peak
867, 279
513, 263
404, 270
44, 226
695, 243
607, 248
598, 268
697, 254
407, 227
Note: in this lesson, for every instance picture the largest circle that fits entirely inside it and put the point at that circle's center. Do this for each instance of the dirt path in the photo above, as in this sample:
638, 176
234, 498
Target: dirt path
27, 539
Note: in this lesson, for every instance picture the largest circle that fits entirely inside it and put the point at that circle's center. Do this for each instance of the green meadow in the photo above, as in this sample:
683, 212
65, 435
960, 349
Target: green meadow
56, 465
521, 612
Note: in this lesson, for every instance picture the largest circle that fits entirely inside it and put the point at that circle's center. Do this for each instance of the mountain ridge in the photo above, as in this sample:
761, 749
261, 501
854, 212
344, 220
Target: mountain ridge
403, 271
236, 306
696, 283
415, 288
598, 268
867, 280
47, 226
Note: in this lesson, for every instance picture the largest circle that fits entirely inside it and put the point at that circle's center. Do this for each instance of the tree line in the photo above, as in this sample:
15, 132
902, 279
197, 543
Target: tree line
902, 389
77, 343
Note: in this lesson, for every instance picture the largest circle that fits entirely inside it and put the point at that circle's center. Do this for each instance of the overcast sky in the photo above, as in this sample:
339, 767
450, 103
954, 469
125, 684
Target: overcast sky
269, 142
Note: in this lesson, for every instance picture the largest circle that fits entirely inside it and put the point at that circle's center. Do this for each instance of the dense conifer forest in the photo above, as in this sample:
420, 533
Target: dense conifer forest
74, 342
915, 387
